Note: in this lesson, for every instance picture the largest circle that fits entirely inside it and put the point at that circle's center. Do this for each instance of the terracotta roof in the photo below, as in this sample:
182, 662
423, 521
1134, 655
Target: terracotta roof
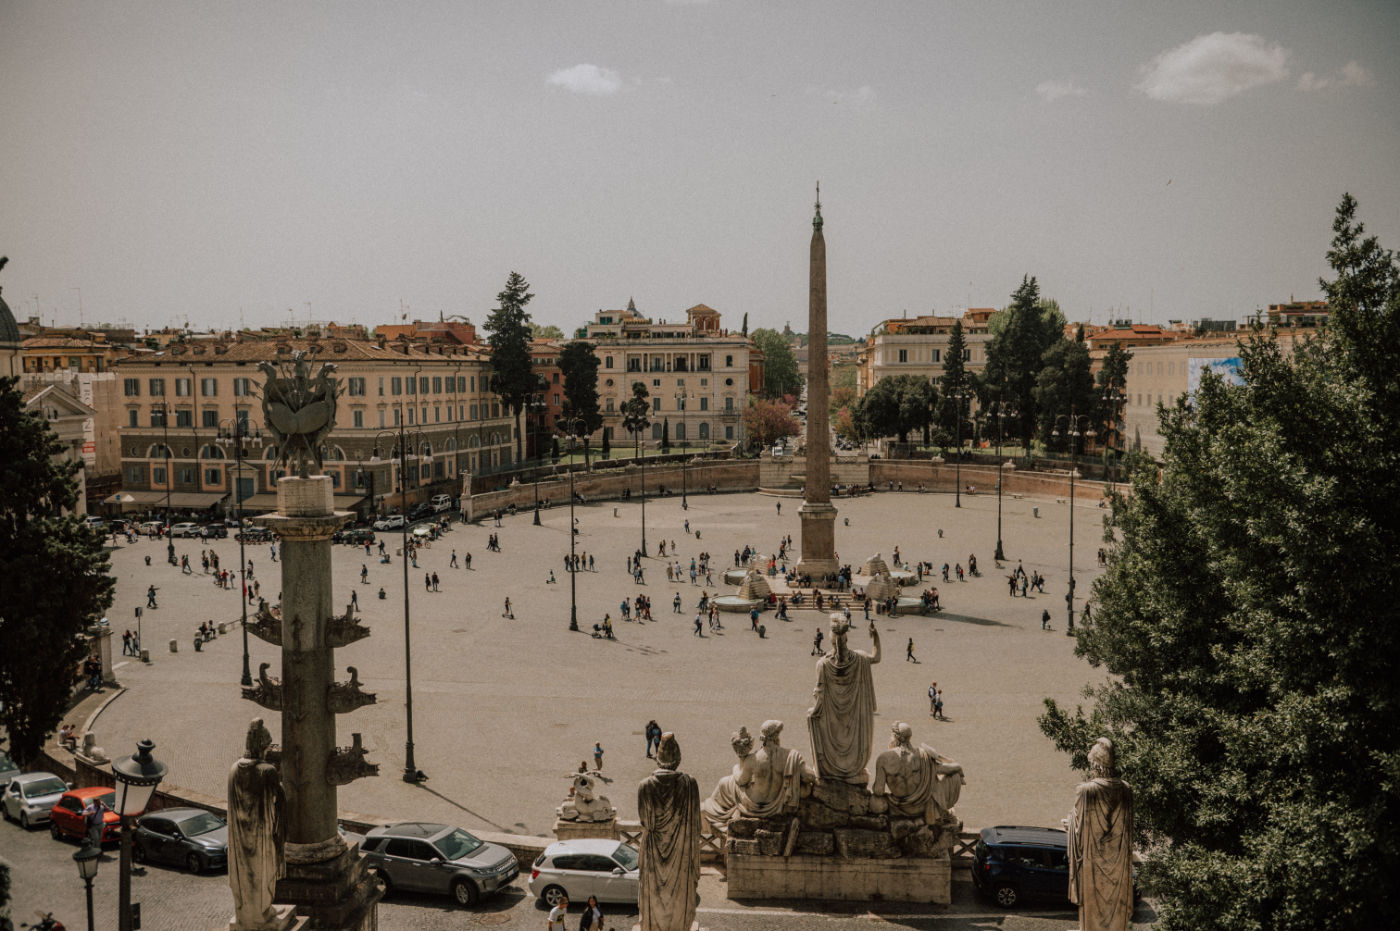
328, 350
62, 342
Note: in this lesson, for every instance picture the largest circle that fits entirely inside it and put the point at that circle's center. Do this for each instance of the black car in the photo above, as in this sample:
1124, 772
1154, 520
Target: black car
1014, 864
213, 532
254, 535
188, 837
421, 512
354, 536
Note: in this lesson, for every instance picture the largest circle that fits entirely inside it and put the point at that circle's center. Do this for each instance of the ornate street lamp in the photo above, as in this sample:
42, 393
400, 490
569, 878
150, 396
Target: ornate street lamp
233, 432
87, 860
574, 425
1076, 427
136, 778
959, 395
1001, 415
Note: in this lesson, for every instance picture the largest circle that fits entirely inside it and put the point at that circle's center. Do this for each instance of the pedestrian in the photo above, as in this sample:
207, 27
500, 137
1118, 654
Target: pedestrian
551, 580
932, 697
151, 597
592, 919
453, 563
1045, 619
699, 630
1088, 615
817, 644
938, 705
590, 564
866, 605
676, 604
364, 574
909, 652
558, 913
427, 581
508, 612
126, 643
435, 581
354, 599
597, 756
467, 561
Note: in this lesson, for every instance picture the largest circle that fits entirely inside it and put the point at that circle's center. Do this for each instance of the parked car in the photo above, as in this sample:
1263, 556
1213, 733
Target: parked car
8, 769
186, 529
188, 837
254, 535
213, 532
150, 528
441, 503
421, 512
1011, 865
418, 856
355, 536
392, 522
30, 797
66, 818
580, 868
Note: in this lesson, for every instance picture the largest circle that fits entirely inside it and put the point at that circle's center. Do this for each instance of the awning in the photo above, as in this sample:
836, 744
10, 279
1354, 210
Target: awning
135, 498
196, 499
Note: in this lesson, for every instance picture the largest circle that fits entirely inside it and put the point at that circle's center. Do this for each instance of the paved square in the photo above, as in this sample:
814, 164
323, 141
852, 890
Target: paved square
505, 709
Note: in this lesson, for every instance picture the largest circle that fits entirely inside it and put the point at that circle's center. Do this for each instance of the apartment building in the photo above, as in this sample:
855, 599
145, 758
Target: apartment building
697, 374
180, 401
917, 345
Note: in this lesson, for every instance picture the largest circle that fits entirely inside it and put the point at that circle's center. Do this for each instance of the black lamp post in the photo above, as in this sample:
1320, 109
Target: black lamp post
87, 860
538, 405
234, 432
1075, 427
1113, 397
410, 768
136, 778
574, 424
959, 395
685, 440
164, 409
1001, 424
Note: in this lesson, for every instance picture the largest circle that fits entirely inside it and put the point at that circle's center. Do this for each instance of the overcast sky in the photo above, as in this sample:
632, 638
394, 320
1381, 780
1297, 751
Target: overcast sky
228, 162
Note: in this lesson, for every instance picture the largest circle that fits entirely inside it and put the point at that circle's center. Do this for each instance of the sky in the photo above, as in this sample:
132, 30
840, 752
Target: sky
254, 163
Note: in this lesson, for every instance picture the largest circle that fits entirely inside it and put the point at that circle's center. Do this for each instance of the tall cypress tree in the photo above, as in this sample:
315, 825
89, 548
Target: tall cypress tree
580, 366
55, 582
509, 329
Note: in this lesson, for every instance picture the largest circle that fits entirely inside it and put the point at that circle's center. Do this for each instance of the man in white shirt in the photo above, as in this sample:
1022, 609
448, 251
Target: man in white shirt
558, 913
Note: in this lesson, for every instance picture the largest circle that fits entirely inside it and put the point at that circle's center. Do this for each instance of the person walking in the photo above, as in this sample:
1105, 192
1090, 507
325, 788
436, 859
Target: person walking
597, 756
558, 914
1045, 619
427, 581
364, 574
453, 563
508, 612
354, 599
938, 705
435, 581
699, 626
592, 918
932, 697
817, 644
676, 604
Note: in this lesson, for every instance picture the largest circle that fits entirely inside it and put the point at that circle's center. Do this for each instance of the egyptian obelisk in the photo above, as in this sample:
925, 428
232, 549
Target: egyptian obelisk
817, 515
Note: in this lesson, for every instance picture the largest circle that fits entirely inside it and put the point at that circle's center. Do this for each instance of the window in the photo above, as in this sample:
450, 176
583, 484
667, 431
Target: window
729, 404
136, 474
425, 414
359, 418
396, 416
473, 382
242, 418
410, 416
157, 417
242, 387
607, 362
210, 417
356, 387
381, 416
132, 417
728, 432
656, 404
556, 378
437, 384
704, 431
184, 418
556, 400
656, 431
381, 386
656, 383
186, 475
209, 387
608, 406
423, 385
131, 387
157, 475
437, 414
213, 476
936, 355
967, 355
704, 404
729, 383
396, 385
182, 387
461, 384
157, 386
904, 355
412, 385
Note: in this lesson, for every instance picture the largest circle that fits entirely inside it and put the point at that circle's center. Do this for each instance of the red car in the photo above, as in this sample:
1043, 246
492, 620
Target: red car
66, 819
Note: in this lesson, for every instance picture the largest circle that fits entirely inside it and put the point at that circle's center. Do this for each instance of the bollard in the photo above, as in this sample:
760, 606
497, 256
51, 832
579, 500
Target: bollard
1035, 512
198, 644
761, 630
145, 656
174, 646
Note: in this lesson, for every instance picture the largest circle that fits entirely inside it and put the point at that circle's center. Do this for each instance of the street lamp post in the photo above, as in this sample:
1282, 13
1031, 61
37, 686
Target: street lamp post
136, 778
574, 425
685, 440
411, 772
1113, 397
234, 432
958, 395
87, 860
1001, 424
538, 405
164, 409
1075, 427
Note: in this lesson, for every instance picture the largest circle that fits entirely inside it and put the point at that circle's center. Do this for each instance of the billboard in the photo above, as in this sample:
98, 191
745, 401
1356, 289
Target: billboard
1229, 369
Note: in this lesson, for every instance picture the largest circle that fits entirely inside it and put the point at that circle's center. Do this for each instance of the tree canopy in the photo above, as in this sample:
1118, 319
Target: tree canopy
579, 364
635, 410
509, 329
545, 331
897, 405
56, 579
1064, 388
1250, 619
780, 375
1020, 336
767, 421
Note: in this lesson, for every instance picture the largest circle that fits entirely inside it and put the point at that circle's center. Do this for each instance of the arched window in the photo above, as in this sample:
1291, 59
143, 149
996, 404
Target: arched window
160, 451
210, 451
473, 443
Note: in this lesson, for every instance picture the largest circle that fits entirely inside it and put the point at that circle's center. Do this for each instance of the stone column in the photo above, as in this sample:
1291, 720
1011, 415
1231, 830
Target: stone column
818, 517
325, 879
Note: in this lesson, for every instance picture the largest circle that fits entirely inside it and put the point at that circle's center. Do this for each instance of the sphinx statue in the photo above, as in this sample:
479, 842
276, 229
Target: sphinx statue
584, 804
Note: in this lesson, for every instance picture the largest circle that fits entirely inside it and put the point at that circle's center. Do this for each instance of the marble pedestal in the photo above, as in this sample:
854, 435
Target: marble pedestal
818, 544
839, 879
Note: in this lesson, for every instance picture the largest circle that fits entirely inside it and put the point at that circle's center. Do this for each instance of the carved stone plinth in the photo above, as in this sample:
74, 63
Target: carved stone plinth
839, 879
572, 830
330, 879
818, 522
286, 920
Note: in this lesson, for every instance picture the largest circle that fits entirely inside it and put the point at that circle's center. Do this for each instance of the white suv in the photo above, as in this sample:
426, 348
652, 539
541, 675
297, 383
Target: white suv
441, 502
392, 522
580, 868
185, 530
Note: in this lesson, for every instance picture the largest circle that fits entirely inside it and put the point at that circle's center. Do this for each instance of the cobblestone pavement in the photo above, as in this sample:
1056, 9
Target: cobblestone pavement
505, 708
46, 878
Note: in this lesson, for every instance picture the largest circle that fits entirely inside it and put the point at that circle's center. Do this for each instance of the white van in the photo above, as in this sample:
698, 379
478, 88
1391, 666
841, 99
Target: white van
441, 503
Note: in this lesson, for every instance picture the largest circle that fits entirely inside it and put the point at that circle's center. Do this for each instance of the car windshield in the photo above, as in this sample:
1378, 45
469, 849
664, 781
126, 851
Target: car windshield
50, 786
626, 856
201, 823
456, 845
106, 798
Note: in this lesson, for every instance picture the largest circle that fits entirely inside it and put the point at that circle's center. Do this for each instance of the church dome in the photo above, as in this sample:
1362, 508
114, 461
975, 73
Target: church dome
9, 329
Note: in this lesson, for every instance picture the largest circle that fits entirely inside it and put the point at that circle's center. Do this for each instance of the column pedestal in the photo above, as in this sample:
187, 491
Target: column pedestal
818, 522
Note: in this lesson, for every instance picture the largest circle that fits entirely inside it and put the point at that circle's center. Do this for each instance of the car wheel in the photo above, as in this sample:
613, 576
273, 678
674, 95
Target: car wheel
23, 819
552, 895
464, 892
384, 878
194, 864
1006, 896
54, 832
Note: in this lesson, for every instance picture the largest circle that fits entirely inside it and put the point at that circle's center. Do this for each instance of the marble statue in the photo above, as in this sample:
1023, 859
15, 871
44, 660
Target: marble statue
764, 784
842, 717
1101, 845
915, 783
91, 751
255, 835
668, 803
299, 410
584, 804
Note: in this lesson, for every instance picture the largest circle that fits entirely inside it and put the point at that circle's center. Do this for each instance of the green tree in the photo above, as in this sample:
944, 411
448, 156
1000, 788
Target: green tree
1250, 620
545, 331
56, 578
952, 413
1112, 387
509, 330
1020, 335
665, 434
607, 443
844, 423
1065, 386
897, 405
767, 421
579, 364
780, 375
634, 413
744, 330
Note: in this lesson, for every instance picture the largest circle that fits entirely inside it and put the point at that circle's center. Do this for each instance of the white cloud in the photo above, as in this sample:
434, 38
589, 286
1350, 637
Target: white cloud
1056, 90
587, 79
1349, 75
1212, 68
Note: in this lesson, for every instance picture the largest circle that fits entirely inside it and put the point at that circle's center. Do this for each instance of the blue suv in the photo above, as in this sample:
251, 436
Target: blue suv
1012, 865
